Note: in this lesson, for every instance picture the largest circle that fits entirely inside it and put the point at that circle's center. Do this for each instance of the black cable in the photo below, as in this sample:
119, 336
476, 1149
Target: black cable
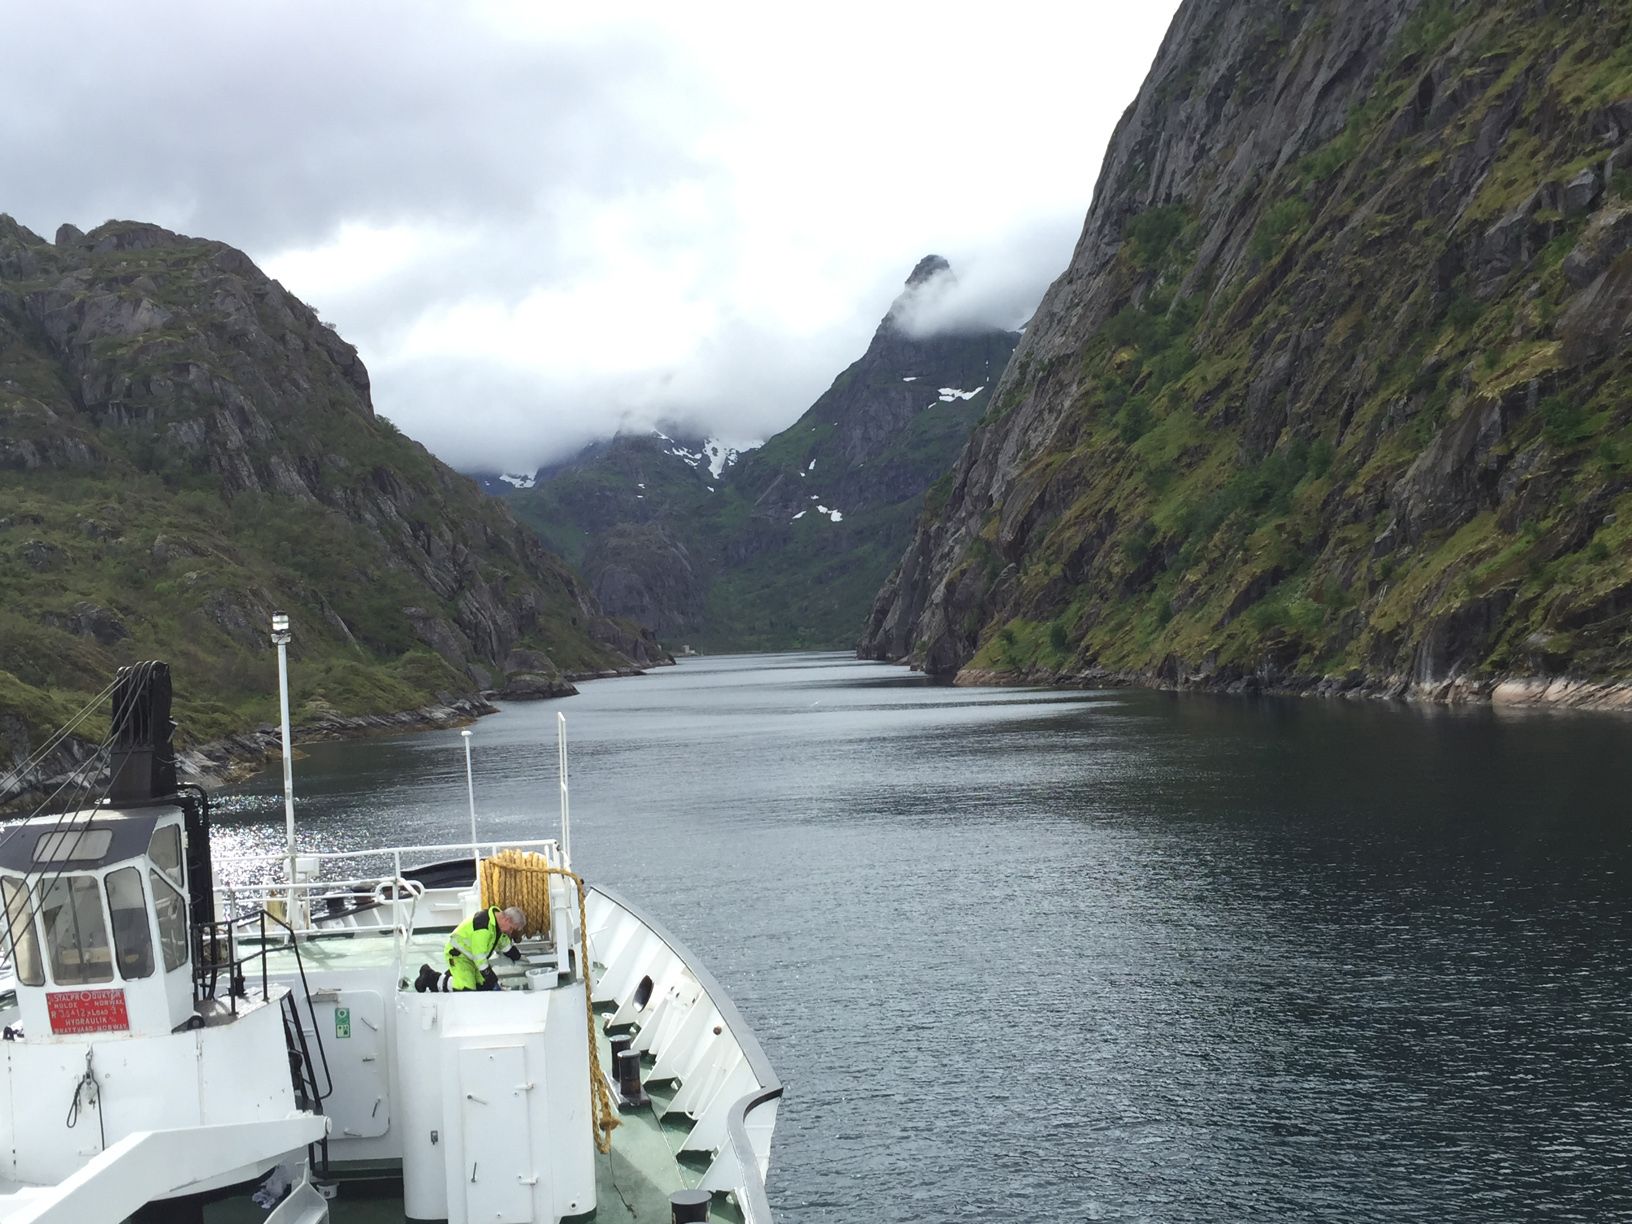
87, 1090
34, 894
41, 892
116, 726
74, 809
75, 778
19, 772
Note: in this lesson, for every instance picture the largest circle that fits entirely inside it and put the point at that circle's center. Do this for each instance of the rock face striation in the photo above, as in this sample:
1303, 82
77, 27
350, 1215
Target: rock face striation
785, 545
1335, 392
183, 448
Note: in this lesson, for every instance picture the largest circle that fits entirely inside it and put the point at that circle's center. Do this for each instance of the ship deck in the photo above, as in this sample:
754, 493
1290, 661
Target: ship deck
632, 1182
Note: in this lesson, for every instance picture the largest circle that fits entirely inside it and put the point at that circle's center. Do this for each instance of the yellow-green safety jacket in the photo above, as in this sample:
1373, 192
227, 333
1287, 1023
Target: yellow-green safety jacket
474, 942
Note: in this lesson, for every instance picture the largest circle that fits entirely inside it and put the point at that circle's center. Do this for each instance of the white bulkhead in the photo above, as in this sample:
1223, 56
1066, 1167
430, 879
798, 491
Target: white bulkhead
495, 1107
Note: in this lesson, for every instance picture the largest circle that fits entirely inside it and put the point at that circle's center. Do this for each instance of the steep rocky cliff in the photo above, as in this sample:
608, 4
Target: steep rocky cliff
185, 447
1335, 390
786, 546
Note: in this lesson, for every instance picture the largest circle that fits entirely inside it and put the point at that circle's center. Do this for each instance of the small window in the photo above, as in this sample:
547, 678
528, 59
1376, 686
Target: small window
165, 850
75, 935
25, 936
73, 846
172, 921
132, 941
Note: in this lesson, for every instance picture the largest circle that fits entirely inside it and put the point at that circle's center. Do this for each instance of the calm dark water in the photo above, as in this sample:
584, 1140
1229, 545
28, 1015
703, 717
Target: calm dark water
1118, 956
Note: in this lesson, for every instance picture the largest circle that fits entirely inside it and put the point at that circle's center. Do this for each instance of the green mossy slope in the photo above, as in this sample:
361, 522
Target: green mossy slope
183, 448
1347, 400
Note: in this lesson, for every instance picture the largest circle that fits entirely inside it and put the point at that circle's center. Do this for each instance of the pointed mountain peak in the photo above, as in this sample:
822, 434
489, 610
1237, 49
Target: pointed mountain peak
930, 281
929, 266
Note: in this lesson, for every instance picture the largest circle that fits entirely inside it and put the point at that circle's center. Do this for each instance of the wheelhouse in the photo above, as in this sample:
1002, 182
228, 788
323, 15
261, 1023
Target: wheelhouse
96, 921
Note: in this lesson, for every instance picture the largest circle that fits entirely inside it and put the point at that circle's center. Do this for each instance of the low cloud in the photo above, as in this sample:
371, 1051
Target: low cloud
539, 223
997, 286
477, 412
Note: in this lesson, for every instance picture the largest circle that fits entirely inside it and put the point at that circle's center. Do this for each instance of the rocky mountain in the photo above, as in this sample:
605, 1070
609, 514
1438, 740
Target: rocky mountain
786, 545
631, 513
1334, 393
887, 427
184, 447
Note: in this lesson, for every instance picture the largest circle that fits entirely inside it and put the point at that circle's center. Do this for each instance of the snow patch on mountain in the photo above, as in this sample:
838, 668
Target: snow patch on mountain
835, 516
519, 481
713, 453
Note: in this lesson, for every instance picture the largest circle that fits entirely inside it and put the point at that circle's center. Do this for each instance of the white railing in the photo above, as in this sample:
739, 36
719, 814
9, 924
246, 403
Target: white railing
394, 852
373, 880
728, 1092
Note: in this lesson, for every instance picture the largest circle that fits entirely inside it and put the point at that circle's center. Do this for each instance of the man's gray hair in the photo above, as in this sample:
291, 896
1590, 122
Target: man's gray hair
515, 915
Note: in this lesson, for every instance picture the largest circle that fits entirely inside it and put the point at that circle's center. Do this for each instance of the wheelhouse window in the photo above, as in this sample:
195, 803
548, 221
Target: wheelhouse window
165, 850
172, 911
73, 846
132, 939
24, 936
76, 937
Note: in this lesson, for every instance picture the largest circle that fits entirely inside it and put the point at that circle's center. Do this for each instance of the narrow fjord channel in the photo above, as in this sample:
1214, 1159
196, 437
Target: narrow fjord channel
1049, 956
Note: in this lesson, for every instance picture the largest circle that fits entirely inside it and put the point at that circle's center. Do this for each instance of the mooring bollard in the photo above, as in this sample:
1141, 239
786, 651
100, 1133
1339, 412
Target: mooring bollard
690, 1206
629, 1077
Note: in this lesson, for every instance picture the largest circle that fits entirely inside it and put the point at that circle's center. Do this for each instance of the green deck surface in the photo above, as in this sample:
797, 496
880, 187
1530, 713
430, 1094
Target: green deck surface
635, 1180
360, 950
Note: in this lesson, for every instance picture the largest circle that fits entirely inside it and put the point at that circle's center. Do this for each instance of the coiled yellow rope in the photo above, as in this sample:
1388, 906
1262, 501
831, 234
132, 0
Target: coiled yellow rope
522, 879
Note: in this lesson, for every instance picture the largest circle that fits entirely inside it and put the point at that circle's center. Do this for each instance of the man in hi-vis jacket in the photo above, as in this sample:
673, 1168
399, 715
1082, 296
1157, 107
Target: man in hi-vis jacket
474, 943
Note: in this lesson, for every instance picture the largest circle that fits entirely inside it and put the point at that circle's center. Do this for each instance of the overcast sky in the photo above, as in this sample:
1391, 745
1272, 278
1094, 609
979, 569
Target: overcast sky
539, 221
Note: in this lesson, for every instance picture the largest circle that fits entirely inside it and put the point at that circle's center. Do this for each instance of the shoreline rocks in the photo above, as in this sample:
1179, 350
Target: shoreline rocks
1508, 693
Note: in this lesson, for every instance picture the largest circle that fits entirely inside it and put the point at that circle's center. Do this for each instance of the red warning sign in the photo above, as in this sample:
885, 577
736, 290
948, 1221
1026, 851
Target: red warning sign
88, 1011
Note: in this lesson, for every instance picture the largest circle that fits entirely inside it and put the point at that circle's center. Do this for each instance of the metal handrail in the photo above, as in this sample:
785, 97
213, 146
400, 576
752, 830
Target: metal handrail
752, 1200
442, 848
404, 930
256, 896
306, 992
233, 897
307, 885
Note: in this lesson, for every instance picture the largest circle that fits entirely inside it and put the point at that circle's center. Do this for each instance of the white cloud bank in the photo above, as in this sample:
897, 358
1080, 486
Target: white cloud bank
541, 222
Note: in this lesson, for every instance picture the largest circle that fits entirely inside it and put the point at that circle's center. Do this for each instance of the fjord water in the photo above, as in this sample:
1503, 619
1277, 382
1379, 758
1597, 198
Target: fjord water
1051, 956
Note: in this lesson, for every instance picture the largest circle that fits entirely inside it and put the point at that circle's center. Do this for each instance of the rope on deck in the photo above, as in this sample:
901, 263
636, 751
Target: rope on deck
522, 878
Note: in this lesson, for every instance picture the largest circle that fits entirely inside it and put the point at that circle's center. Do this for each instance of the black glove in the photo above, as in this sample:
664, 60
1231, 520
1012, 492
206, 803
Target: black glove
513, 952
490, 980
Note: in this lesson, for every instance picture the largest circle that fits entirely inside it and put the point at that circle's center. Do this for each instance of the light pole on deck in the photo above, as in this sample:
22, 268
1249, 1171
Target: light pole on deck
561, 753
280, 636
470, 790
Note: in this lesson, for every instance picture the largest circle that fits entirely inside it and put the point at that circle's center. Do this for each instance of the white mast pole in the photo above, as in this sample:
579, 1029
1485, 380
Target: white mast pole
561, 749
470, 790
280, 635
